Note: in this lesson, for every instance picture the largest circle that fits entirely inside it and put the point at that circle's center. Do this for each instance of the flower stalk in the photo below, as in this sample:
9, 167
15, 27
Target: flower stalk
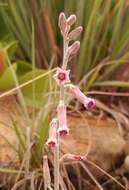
62, 77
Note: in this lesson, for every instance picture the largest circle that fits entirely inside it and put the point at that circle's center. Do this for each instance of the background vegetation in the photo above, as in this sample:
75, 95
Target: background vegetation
104, 42
31, 46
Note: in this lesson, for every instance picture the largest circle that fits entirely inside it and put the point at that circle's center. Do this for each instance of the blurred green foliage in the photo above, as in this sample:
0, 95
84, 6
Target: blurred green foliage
105, 37
17, 73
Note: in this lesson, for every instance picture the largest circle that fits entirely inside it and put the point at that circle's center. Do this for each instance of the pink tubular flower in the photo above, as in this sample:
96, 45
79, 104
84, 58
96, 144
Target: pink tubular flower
61, 76
63, 129
52, 140
89, 103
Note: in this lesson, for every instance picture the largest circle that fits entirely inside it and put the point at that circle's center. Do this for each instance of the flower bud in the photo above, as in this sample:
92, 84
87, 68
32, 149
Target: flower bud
73, 49
62, 23
71, 20
73, 35
62, 118
52, 140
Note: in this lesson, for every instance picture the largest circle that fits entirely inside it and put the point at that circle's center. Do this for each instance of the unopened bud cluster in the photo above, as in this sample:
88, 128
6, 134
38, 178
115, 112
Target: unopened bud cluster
59, 126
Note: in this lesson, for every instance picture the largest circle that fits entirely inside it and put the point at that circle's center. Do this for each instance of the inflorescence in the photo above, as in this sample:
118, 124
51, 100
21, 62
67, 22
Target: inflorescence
58, 126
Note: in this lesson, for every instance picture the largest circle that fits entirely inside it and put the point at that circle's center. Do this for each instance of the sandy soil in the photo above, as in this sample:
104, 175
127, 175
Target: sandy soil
7, 107
106, 147
102, 139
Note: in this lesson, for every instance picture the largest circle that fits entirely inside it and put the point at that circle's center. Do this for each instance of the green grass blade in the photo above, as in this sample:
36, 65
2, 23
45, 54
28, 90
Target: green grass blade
102, 33
117, 63
11, 171
42, 139
110, 83
117, 26
20, 95
33, 69
18, 19
90, 30
93, 78
19, 134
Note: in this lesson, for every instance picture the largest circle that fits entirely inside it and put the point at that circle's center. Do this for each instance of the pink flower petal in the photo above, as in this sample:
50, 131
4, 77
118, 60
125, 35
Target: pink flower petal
62, 118
51, 143
89, 103
61, 76
52, 140
63, 131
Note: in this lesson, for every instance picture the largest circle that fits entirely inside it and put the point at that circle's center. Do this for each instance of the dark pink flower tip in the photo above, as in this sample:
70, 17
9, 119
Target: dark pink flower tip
78, 157
63, 131
51, 143
89, 103
75, 157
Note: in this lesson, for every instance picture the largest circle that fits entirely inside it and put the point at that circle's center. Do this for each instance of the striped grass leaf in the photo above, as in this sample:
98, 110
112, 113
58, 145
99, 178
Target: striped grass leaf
119, 11
11, 171
42, 136
19, 133
88, 34
93, 78
117, 63
103, 29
